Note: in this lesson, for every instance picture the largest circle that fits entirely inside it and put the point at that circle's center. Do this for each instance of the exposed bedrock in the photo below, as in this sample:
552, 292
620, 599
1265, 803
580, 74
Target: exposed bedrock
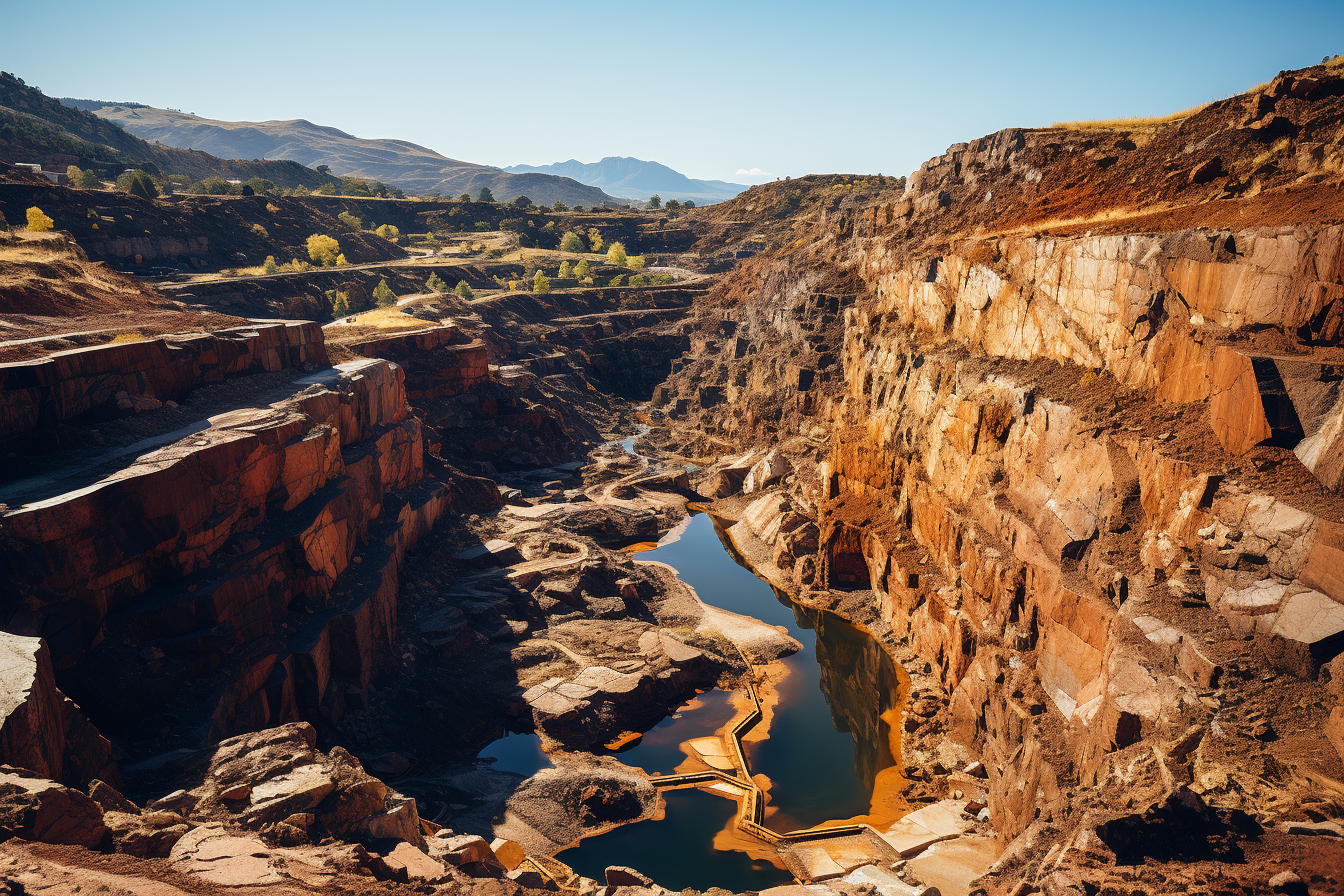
1092, 482
241, 576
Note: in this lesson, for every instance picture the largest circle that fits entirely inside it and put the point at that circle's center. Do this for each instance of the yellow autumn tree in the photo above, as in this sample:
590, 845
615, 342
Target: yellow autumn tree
39, 222
323, 249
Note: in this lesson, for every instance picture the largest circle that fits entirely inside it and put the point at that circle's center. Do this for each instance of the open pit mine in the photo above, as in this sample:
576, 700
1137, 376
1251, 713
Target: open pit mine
977, 532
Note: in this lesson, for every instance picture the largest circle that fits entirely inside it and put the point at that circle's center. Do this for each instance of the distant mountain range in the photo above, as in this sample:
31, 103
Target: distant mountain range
415, 169
637, 179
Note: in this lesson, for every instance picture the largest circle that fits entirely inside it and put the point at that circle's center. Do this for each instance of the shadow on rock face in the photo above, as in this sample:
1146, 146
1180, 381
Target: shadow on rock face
1180, 829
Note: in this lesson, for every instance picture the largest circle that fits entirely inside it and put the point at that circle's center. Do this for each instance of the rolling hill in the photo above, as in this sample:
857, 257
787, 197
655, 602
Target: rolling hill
637, 179
413, 168
37, 128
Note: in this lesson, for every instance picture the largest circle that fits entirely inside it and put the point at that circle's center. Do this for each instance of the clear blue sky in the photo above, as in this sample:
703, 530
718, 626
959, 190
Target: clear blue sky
710, 88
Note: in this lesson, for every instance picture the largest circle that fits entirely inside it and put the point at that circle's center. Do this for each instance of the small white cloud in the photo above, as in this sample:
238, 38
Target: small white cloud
753, 172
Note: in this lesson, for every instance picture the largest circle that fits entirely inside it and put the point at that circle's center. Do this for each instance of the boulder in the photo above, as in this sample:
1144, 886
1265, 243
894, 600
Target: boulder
1308, 632
623, 876
462, 849
277, 776
37, 808
767, 470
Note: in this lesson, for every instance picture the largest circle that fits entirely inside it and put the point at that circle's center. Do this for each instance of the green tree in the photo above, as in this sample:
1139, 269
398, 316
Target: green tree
327, 189
616, 255
339, 301
571, 242
74, 175
383, 294
465, 197
388, 232
636, 262
212, 186
522, 202
638, 280
560, 206
435, 283
464, 290
261, 186
323, 249
485, 195
615, 281
690, 203
270, 267
323, 169
564, 273
655, 201
350, 221
540, 284
581, 269
672, 205
138, 183
595, 240
39, 222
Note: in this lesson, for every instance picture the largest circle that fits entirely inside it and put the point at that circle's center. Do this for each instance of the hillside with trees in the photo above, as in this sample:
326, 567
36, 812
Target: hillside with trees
413, 168
38, 128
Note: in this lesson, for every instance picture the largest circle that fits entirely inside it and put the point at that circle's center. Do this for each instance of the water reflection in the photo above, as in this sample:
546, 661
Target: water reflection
830, 743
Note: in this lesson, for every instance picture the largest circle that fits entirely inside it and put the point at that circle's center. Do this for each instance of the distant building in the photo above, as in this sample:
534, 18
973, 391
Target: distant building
56, 177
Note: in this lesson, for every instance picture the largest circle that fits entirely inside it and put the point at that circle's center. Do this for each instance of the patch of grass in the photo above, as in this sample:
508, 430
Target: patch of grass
1119, 123
128, 336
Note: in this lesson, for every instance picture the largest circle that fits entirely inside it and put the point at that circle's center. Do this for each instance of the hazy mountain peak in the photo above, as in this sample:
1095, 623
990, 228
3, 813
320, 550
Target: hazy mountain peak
633, 178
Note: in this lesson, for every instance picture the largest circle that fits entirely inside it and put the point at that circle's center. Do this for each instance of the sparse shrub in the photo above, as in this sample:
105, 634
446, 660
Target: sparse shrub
388, 232
211, 186
465, 197
522, 202
565, 273
39, 222
655, 201
485, 195
540, 284
615, 281
435, 283
270, 267
616, 255
482, 226
138, 183
272, 207
581, 269
326, 189
464, 290
340, 260
595, 239
639, 280
350, 221
571, 242
672, 205
636, 262
339, 301
560, 206
323, 249
260, 231
383, 294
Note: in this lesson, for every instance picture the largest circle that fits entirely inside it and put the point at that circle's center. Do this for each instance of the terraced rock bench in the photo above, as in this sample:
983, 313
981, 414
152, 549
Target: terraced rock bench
140, 375
244, 568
